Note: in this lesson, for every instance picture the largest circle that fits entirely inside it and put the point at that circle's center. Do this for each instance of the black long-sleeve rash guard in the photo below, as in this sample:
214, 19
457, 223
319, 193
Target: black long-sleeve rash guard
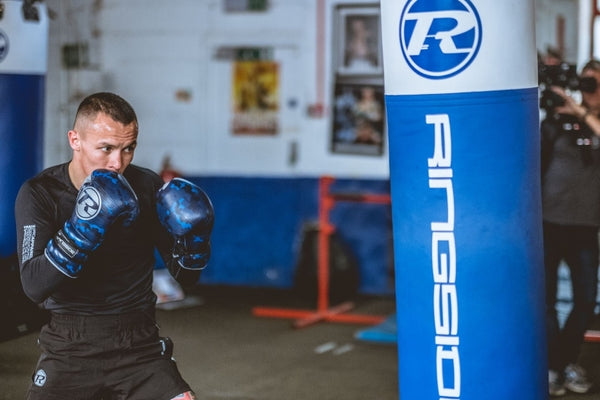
117, 276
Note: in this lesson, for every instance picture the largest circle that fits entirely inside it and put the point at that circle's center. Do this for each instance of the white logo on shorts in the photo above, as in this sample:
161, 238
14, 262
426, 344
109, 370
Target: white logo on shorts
40, 378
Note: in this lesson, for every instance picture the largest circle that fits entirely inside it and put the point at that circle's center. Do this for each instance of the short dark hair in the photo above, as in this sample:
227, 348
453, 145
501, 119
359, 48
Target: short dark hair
108, 103
593, 64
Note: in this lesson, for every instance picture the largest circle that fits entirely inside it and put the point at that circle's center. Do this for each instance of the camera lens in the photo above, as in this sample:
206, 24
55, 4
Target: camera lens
588, 84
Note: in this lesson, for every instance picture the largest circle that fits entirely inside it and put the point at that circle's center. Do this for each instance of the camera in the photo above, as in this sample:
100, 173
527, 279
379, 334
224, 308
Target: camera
563, 75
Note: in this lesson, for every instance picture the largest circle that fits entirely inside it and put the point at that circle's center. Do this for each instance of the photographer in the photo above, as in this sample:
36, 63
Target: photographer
570, 137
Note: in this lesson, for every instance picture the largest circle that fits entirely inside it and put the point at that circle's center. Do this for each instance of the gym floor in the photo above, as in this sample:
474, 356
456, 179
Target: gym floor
227, 353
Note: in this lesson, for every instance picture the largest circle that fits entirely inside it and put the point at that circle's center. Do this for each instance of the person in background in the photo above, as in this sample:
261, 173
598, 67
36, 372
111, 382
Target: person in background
368, 114
360, 45
86, 236
570, 146
552, 56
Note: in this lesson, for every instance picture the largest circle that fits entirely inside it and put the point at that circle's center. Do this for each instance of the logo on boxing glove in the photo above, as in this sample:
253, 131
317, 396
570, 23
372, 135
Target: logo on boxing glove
89, 203
104, 199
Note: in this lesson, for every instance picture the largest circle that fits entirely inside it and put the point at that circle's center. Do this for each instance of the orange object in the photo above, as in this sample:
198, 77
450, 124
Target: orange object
592, 336
324, 312
167, 171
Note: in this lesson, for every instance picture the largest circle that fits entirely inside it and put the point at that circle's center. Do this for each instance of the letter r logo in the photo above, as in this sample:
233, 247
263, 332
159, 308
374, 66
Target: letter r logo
88, 203
439, 38
40, 378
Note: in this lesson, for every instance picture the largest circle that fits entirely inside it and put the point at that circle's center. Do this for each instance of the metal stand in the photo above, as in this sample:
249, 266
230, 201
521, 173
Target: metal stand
324, 312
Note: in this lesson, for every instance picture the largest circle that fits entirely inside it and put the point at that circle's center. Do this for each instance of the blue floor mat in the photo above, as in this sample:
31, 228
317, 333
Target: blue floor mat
385, 332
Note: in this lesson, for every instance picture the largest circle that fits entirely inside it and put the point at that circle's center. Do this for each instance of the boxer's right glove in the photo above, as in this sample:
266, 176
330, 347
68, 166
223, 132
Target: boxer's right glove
104, 197
187, 214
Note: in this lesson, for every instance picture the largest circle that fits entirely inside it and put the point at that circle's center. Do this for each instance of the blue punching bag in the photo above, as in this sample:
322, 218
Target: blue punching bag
23, 64
462, 105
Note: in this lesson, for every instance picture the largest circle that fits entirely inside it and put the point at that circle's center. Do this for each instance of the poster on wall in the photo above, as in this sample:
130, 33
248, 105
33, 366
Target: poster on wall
358, 119
255, 97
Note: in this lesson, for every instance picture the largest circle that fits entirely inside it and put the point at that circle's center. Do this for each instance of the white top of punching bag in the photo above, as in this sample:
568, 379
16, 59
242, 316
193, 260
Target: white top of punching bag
467, 46
23, 43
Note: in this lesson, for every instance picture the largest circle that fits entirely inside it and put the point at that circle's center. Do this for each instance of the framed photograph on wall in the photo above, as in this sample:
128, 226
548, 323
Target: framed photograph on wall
359, 41
358, 119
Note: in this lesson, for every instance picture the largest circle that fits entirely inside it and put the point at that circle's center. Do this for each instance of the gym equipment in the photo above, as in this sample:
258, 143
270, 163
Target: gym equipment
324, 312
104, 198
23, 66
187, 214
461, 95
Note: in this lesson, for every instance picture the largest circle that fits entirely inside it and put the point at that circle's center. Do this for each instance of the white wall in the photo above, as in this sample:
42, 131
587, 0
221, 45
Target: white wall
148, 50
546, 14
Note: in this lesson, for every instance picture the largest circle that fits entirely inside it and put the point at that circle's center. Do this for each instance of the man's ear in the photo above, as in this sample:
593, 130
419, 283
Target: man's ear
74, 140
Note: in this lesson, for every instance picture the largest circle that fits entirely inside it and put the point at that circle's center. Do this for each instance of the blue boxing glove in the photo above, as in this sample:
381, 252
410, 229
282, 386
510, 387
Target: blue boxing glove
104, 197
187, 214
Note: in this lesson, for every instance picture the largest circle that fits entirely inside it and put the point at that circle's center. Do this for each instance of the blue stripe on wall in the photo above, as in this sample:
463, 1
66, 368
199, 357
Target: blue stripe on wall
259, 222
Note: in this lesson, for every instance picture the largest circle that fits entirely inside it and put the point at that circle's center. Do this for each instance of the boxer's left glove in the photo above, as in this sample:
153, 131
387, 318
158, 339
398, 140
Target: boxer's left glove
104, 198
187, 214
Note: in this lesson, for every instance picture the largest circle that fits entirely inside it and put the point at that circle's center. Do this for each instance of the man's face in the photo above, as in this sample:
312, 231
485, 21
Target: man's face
102, 143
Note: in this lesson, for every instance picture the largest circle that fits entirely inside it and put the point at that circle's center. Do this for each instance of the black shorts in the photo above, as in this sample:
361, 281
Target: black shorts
105, 357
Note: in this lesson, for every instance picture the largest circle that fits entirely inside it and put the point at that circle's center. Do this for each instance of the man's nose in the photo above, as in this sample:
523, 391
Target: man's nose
115, 161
